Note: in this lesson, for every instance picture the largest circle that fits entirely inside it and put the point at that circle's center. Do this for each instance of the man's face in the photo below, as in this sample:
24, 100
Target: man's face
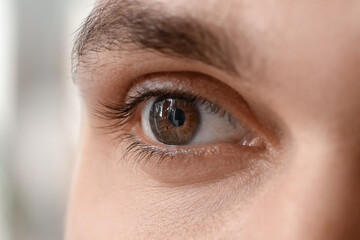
215, 119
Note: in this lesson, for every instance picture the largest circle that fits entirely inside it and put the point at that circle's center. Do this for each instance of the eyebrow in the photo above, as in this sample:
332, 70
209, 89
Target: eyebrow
125, 25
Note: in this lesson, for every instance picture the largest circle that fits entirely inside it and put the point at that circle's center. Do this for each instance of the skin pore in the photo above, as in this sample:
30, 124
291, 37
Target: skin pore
275, 156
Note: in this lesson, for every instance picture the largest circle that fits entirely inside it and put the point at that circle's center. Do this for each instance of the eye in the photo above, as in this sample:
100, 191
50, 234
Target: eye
171, 121
184, 128
189, 121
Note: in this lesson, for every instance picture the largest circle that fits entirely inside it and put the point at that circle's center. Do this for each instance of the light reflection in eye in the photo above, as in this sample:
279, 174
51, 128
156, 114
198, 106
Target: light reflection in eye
202, 123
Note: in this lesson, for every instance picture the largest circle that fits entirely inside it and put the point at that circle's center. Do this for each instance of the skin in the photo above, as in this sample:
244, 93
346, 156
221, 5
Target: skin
308, 100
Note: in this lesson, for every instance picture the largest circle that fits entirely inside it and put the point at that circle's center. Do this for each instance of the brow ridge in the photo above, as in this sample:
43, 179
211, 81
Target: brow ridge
121, 25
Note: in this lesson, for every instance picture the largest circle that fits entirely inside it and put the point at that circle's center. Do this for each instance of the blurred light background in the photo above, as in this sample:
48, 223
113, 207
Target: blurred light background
39, 115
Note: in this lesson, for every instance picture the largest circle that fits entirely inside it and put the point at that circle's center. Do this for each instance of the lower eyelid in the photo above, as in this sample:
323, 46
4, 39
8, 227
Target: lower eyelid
196, 164
182, 166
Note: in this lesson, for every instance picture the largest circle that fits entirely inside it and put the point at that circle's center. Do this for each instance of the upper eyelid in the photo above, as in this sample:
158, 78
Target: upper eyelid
199, 84
124, 111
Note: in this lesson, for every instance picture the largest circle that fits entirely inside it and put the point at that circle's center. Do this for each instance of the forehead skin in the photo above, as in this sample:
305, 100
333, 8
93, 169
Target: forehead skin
310, 53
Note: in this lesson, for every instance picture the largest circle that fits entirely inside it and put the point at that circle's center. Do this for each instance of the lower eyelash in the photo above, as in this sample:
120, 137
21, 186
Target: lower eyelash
120, 114
140, 151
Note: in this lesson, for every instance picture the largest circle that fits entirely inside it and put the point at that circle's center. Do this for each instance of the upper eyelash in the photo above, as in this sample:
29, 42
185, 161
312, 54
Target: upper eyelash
122, 112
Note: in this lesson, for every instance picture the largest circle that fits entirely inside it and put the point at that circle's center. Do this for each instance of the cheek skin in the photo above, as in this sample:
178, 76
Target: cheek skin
312, 83
118, 201
95, 198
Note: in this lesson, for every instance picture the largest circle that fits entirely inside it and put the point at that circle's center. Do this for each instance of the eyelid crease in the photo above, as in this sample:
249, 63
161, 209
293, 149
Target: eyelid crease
114, 115
179, 165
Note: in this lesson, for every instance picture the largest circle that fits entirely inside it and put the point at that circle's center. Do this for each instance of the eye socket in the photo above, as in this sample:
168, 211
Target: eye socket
207, 143
189, 121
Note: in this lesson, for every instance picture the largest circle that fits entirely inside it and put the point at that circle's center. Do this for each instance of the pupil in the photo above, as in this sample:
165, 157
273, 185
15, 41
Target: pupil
174, 121
177, 117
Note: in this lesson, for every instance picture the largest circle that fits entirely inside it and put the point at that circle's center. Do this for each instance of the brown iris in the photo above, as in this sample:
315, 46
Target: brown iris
174, 121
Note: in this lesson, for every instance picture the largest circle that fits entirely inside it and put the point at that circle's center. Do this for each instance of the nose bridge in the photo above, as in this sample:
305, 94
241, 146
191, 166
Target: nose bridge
320, 193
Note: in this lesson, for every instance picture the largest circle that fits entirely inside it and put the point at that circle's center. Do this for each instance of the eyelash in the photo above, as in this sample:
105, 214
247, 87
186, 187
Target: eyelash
122, 113
141, 151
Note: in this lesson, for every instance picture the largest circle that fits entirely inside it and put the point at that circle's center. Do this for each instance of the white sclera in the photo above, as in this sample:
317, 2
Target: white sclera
213, 127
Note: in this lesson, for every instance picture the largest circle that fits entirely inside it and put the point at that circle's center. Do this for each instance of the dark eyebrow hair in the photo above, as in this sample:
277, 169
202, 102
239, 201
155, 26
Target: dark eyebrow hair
123, 24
